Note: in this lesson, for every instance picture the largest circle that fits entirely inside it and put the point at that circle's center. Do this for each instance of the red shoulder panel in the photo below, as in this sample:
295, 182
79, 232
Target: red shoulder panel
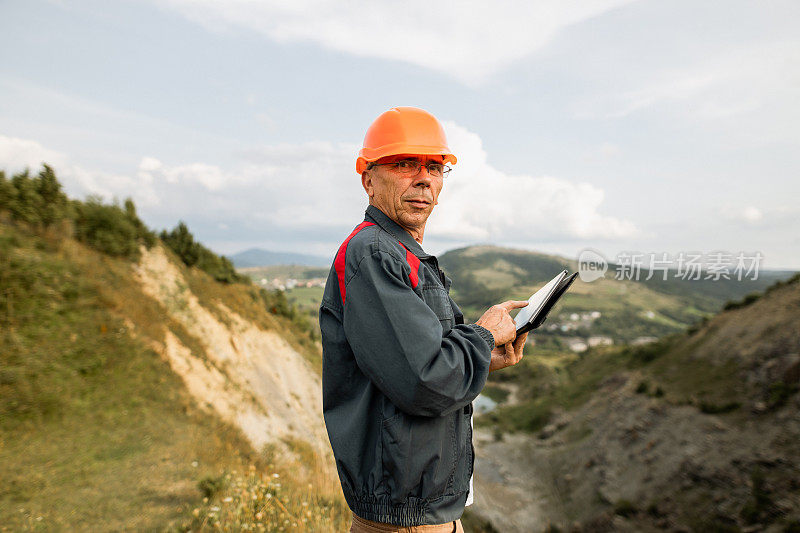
338, 263
413, 262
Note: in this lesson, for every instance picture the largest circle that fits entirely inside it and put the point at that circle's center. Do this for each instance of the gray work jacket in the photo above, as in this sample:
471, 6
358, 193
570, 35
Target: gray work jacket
400, 370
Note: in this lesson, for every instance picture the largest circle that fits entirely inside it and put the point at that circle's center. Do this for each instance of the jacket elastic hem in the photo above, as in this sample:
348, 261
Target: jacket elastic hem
410, 513
485, 335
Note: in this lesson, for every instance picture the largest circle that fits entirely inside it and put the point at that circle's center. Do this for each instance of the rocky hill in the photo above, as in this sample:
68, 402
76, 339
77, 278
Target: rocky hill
699, 432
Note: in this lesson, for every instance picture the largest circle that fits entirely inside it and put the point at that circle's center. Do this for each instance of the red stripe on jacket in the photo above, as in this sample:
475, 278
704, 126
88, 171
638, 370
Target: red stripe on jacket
413, 262
339, 262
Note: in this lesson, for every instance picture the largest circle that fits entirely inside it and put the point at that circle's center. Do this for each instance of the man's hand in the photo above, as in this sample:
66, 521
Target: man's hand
497, 320
509, 354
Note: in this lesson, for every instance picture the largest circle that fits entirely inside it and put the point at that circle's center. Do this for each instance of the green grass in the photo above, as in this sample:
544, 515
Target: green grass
677, 369
565, 382
96, 431
306, 298
495, 393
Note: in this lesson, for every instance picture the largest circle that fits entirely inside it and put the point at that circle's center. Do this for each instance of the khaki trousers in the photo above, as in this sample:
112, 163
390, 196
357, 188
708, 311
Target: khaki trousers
361, 525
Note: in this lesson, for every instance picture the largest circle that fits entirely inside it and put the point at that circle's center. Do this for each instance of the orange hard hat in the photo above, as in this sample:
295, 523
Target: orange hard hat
403, 130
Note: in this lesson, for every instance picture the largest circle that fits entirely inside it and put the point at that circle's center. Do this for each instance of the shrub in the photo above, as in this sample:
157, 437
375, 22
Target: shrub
6, 191
181, 241
40, 203
106, 228
37, 201
52, 205
744, 302
142, 231
24, 205
115, 230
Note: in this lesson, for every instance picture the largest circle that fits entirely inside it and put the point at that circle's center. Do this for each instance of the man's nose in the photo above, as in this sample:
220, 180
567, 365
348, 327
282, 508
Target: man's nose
423, 177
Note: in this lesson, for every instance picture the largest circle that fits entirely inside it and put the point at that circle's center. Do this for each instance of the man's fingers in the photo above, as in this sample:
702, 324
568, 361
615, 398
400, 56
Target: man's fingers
509, 351
513, 354
513, 304
519, 347
519, 344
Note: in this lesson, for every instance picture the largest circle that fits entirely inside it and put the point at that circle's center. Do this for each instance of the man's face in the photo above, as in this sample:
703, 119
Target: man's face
406, 199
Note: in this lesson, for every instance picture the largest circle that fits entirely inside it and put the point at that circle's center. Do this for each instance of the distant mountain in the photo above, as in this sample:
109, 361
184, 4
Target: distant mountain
256, 257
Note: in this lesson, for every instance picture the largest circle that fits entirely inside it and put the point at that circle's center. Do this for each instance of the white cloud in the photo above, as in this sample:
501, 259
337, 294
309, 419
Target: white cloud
752, 214
18, 154
602, 153
482, 203
311, 186
465, 39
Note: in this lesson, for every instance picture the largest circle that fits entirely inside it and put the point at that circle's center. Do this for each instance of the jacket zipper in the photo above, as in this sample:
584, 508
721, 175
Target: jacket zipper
472, 449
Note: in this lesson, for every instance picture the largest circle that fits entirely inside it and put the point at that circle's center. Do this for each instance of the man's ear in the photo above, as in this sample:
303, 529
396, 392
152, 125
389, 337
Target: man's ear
366, 182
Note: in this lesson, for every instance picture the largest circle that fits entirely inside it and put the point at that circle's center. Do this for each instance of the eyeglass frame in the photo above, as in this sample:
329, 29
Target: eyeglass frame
418, 164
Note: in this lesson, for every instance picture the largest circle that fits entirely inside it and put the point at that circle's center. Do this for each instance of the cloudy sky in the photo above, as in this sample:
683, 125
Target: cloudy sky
618, 125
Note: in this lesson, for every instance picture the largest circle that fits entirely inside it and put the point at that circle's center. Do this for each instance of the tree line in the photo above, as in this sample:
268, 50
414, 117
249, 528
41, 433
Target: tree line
39, 202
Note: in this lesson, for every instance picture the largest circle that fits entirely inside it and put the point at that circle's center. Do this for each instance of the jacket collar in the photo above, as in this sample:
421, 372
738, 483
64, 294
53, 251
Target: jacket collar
374, 214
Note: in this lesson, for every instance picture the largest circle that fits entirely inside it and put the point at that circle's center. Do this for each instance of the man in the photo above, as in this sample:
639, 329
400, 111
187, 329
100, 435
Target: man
400, 367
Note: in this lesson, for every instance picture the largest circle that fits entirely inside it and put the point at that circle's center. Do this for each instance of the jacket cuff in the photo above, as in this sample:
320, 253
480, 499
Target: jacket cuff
485, 335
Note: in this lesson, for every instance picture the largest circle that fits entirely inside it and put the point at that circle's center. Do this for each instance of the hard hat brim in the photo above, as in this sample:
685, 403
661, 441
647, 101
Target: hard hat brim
366, 156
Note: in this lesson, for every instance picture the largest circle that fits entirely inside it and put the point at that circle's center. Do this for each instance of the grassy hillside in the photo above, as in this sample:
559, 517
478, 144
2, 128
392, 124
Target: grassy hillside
485, 275
303, 298
702, 367
96, 430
